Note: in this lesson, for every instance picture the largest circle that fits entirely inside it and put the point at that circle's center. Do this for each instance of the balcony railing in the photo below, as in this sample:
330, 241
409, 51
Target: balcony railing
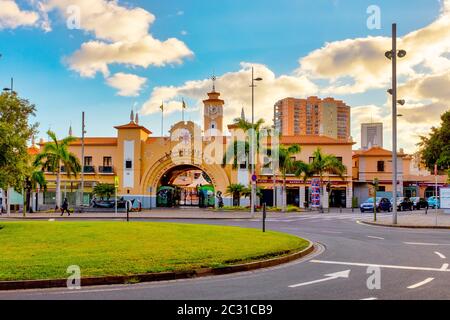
89, 169
106, 170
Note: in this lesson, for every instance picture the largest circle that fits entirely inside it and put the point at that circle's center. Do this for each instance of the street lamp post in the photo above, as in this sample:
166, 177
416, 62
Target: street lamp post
252, 144
392, 55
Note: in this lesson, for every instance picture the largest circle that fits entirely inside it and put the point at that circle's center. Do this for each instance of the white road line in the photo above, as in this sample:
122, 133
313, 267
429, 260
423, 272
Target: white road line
440, 255
427, 244
380, 266
422, 283
371, 298
372, 237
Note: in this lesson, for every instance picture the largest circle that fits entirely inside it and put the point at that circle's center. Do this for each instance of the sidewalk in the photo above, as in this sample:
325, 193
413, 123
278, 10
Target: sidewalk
416, 220
153, 214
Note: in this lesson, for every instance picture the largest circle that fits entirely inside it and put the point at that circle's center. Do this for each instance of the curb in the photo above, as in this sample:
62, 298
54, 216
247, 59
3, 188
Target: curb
122, 218
404, 226
154, 277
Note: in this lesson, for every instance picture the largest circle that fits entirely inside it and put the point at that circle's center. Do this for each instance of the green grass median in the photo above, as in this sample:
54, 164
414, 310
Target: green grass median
44, 250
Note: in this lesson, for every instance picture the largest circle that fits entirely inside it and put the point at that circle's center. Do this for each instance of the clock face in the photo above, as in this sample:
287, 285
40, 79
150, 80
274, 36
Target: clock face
213, 110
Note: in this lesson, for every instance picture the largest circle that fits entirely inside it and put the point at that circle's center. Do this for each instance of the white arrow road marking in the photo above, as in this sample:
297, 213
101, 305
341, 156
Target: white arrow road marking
422, 283
440, 255
382, 266
378, 238
332, 276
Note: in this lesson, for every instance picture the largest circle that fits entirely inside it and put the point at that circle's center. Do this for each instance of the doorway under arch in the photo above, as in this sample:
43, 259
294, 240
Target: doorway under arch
185, 186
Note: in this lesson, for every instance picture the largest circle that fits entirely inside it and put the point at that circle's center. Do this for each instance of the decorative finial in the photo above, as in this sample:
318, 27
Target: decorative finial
132, 116
136, 119
214, 78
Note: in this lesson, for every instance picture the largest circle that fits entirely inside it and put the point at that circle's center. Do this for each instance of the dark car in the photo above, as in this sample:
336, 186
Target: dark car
419, 203
404, 204
382, 204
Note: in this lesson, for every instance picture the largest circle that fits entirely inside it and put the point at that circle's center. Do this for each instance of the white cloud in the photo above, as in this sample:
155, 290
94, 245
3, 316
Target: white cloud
11, 16
234, 88
96, 56
129, 85
122, 36
357, 65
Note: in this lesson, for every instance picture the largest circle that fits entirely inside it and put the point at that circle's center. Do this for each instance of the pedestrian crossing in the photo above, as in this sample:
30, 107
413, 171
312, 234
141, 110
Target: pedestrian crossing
324, 217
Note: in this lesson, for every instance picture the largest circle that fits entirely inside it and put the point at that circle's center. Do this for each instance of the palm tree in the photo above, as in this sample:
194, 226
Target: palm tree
240, 150
288, 164
54, 155
326, 163
104, 190
247, 192
35, 180
236, 190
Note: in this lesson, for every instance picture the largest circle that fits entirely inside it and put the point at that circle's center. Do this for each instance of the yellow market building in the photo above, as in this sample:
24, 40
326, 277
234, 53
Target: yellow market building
144, 163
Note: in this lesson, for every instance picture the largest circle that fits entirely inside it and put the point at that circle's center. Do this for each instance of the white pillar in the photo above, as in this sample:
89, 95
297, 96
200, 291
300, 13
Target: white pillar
325, 202
349, 197
302, 197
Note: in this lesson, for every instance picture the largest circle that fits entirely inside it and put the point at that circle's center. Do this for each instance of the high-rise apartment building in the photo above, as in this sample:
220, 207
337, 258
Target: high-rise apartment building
371, 135
313, 116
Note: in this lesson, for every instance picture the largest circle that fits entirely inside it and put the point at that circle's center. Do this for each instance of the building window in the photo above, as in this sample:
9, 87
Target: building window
128, 164
107, 161
380, 166
88, 161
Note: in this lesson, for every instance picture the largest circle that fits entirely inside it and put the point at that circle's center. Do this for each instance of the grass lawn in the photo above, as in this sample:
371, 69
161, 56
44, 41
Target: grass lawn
44, 250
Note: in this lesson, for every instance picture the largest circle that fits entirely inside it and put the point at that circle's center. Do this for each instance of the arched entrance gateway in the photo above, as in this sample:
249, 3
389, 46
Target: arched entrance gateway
178, 174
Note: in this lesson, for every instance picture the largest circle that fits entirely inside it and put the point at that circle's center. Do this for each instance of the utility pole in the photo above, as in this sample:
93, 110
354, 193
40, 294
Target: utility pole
83, 132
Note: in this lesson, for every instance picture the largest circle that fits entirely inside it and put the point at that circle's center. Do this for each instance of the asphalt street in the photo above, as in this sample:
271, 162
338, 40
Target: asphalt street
412, 264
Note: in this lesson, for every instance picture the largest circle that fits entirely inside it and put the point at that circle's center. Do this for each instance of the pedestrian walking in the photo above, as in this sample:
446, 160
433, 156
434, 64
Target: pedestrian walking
65, 207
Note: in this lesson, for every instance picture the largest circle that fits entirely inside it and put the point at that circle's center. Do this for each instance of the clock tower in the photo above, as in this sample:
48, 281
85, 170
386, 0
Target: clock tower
213, 113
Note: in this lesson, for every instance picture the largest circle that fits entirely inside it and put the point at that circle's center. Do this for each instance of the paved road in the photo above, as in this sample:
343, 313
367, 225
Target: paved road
413, 265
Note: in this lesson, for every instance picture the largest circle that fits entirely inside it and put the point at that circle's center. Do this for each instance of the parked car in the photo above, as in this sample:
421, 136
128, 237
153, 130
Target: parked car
403, 204
433, 202
382, 204
419, 203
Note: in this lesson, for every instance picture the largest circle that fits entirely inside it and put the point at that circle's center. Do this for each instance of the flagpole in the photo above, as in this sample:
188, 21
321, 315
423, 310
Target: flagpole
162, 119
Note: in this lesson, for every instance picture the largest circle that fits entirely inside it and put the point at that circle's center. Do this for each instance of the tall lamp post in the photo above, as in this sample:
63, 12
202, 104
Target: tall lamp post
252, 144
393, 55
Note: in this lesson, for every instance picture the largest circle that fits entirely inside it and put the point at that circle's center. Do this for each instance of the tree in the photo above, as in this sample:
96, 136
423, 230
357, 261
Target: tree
54, 155
104, 190
235, 190
325, 163
34, 180
15, 131
247, 192
240, 150
288, 165
435, 148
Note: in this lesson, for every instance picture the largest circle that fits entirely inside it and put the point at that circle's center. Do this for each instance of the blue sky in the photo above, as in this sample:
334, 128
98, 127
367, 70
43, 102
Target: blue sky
220, 34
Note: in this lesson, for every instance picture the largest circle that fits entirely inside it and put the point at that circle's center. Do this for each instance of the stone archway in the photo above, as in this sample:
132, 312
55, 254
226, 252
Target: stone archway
153, 175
